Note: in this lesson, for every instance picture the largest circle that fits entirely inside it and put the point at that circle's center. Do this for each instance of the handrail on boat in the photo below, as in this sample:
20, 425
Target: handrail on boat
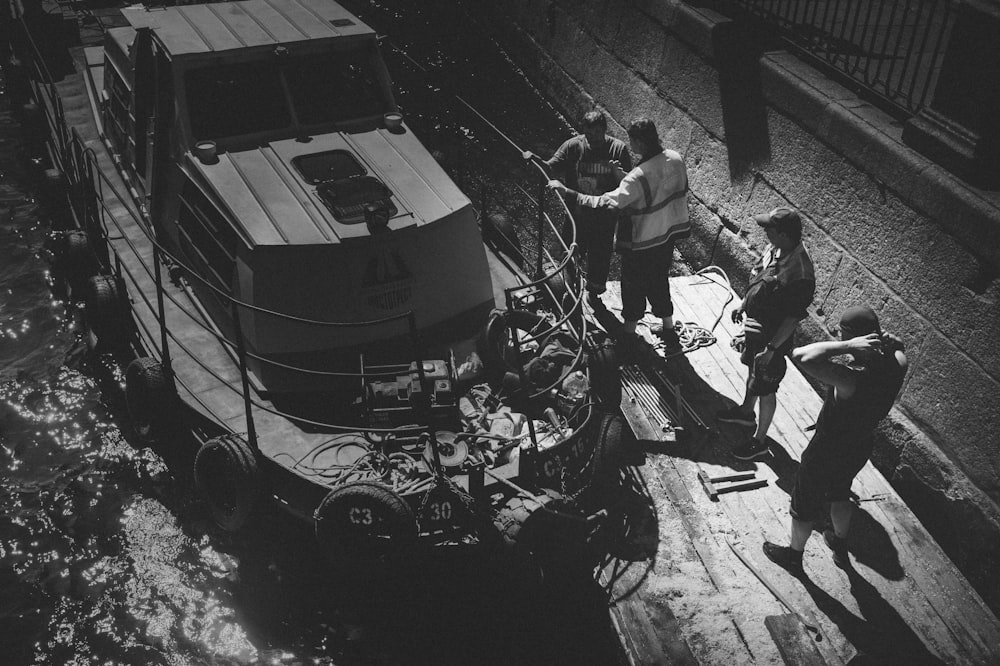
79, 164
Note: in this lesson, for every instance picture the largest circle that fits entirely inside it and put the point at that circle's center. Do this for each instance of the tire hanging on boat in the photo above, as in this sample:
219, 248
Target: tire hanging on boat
612, 440
150, 396
501, 233
364, 522
523, 525
103, 310
227, 474
77, 260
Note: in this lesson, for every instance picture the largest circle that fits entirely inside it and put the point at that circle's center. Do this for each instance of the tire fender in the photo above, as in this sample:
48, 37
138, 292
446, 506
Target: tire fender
228, 476
364, 522
150, 396
102, 309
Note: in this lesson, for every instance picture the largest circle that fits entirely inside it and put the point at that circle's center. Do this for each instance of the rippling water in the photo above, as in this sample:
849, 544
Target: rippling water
105, 558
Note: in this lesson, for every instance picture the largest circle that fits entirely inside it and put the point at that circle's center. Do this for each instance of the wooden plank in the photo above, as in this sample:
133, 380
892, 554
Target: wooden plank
794, 643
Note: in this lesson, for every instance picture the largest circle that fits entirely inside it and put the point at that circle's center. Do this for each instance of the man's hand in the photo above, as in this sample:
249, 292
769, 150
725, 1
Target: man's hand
892, 343
870, 342
559, 187
737, 315
528, 156
616, 168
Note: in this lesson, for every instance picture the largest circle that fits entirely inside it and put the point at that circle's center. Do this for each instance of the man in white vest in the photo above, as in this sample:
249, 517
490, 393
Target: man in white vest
653, 198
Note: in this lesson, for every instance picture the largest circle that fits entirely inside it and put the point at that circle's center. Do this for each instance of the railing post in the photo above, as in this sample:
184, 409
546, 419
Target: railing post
241, 352
161, 310
541, 230
424, 404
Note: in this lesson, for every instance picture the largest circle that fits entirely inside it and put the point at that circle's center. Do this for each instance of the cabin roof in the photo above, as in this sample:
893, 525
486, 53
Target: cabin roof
224, 26
274, 205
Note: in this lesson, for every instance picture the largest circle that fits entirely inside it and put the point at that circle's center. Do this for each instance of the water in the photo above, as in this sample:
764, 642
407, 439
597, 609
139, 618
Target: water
106, 557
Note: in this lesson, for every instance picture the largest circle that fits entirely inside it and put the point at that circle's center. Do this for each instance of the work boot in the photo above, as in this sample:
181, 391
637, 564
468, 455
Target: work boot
627, 347
738, 416
668, 336
751, 449
786, 558
595, 302
839, 547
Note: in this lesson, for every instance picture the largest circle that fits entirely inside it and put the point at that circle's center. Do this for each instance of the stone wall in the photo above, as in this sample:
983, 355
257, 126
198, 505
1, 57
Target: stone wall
884, 226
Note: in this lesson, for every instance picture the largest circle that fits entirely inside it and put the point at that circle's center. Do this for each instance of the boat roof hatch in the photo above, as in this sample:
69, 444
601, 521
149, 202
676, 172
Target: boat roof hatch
224, 26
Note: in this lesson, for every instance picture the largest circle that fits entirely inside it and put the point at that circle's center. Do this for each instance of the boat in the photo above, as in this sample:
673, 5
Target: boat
286, 273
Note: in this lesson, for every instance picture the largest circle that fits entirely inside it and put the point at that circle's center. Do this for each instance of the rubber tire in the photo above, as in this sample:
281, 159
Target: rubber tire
150, 397
501, 233
334, 526
78, 260
605, 377
612, 440
515, 524
103, 311
228, 476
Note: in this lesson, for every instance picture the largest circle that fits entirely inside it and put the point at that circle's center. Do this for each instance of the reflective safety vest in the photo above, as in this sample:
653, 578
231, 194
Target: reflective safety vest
653, 199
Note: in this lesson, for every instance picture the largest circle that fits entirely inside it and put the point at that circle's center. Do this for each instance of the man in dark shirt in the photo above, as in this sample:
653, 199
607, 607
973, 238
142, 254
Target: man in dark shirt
587, 163
781, 288
859, 395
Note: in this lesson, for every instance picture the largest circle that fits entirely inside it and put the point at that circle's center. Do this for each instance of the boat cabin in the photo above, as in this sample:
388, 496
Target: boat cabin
265, 141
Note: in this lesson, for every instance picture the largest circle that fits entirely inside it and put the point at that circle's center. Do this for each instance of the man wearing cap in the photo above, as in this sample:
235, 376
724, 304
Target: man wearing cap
653, 198
781, 287
588, 163
859, 395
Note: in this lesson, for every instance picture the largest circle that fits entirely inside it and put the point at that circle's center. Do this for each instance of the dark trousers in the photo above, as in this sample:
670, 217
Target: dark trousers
595, 236
646, 277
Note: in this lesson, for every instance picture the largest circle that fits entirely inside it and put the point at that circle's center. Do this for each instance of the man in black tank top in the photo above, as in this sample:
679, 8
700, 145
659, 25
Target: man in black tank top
859, 395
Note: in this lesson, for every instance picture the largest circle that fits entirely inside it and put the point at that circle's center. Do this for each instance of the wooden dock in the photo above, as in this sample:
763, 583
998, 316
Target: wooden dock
679, 594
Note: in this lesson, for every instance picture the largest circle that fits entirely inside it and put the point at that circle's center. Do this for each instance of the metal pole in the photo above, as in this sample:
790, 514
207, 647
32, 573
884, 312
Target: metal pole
161, 311
425, 404
541, 230
242, 353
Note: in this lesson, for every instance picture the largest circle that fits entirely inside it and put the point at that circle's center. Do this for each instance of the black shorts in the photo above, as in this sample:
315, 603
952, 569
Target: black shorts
826, 473
763, 379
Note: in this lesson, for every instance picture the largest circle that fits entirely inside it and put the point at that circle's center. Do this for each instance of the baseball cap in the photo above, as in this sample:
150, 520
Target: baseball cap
858, 320
781, 219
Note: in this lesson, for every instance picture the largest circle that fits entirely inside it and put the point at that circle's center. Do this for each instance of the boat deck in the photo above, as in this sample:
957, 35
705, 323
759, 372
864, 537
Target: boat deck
681, 594
206, 370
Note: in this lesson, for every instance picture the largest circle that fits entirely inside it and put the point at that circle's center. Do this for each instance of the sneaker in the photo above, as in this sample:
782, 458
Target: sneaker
839, 547
786, 558
751, 449
738, 416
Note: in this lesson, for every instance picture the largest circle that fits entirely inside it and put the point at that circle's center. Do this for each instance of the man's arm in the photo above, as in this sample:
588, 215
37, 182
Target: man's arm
627, 193
814, 359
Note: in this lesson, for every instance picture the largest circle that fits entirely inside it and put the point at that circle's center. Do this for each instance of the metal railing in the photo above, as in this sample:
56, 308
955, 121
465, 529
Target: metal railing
888, 50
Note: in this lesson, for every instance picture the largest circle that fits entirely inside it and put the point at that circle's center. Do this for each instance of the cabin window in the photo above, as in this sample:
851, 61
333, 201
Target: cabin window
230, 100
334, 87
208, 240
118, 118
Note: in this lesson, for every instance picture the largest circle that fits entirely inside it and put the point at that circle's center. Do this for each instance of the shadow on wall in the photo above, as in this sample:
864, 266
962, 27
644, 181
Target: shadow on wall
744, 115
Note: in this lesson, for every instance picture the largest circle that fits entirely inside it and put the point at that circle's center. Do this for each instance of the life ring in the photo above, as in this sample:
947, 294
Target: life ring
364, 521
150, 397
103, 310
227, 474
605, 378
520, 525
